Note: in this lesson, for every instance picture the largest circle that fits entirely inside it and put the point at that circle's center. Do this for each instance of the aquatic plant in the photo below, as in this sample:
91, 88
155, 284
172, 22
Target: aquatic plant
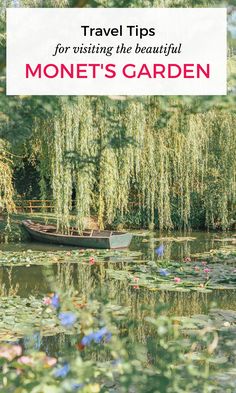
62, 371
163, 272
167, 361
55, 301
67, 318
160, 250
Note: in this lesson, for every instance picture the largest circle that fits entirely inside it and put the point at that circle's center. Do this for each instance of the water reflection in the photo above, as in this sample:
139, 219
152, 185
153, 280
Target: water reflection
93, 281
146, 242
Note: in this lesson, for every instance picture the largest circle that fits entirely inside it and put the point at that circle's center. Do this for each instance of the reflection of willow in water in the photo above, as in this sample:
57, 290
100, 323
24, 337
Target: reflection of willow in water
91, 282
179, 303
143, 302
175, 250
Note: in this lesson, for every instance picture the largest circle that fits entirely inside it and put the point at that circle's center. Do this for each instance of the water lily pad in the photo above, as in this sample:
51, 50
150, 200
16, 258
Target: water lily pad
32, 258
22, 316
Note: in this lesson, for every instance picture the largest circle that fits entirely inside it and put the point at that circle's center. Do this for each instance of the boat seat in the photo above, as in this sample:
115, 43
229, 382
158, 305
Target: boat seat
87, 233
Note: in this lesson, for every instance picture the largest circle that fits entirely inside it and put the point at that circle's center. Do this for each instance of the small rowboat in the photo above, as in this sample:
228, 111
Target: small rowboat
88, 239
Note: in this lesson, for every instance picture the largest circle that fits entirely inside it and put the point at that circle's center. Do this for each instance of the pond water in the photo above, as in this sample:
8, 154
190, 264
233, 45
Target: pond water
36, 280
31, 280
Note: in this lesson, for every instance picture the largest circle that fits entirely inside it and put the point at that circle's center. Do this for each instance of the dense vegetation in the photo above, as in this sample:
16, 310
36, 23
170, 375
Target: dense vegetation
163, 162
133, 162
96, 321
167, 167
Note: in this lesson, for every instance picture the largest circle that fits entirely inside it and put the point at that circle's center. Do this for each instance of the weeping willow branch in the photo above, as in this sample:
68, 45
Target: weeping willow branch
6, 187
105, 154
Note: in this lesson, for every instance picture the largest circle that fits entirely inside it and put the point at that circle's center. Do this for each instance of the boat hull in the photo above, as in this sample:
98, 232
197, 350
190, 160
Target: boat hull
115, 241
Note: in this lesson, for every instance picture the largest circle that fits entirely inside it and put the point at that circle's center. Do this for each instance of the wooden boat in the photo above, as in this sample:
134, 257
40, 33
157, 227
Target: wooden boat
88, 239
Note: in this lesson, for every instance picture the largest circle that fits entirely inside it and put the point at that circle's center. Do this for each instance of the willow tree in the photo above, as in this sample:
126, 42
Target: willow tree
113, 157
6, 187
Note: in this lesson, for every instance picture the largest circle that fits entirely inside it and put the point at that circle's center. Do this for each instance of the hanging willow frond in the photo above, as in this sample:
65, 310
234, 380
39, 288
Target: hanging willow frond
6, 187
106, 154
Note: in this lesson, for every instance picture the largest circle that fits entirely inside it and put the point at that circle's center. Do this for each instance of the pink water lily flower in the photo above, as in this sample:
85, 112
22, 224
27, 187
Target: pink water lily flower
204, 263
47, 301
91, 261
10, 352
49, 362
177, 280
187, 259
27, 360
196, 268
207, 270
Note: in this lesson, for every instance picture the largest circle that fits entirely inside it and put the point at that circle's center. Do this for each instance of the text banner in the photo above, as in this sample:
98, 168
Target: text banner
180, 51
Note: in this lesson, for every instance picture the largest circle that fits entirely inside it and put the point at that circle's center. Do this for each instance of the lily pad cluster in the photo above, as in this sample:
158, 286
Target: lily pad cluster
22, 316
223, 254
178, 239
196, 275
217, 319
30, 258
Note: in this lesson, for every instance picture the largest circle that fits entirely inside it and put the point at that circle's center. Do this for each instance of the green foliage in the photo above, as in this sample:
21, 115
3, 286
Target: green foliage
101, 166
170, 362
148, 351
176, 164
6, 187
17, 113
166, 275
12, 232
146, 3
